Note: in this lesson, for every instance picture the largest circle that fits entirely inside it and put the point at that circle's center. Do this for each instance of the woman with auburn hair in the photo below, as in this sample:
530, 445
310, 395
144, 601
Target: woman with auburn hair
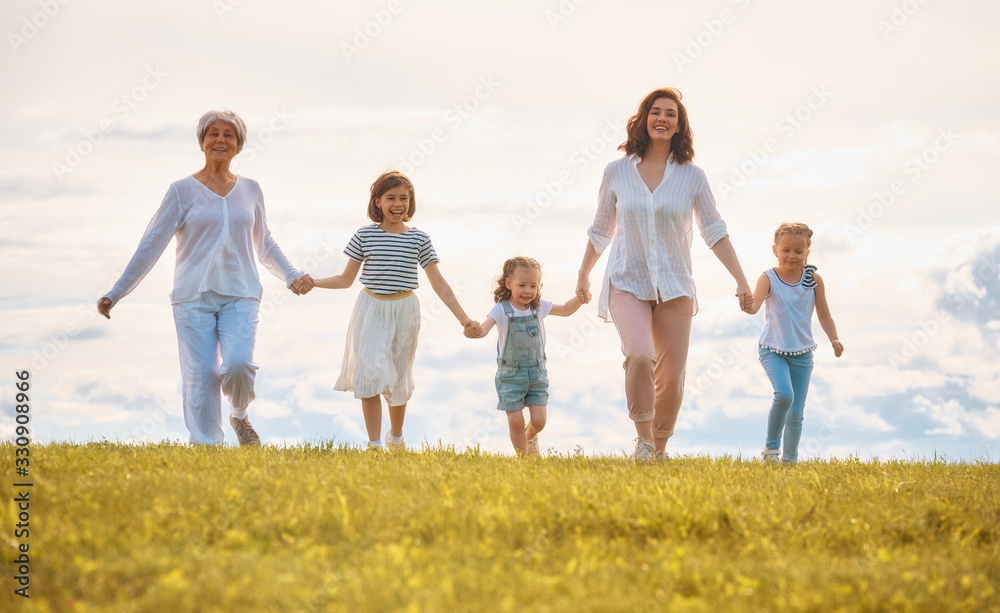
644, 211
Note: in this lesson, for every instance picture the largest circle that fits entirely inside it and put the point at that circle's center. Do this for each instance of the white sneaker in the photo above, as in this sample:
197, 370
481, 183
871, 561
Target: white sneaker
643, 450
771, 456
531, 448
661, 456
391, 445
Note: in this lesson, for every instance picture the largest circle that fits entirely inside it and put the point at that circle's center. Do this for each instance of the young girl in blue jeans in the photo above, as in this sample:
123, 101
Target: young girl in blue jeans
791, 290
522, 379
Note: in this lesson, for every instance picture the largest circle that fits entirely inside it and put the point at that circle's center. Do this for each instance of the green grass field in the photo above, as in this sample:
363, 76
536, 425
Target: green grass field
304, 529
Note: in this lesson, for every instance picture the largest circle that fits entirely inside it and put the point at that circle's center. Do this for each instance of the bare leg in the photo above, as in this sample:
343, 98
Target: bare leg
372, 410
396, 415
515, 423
536, 423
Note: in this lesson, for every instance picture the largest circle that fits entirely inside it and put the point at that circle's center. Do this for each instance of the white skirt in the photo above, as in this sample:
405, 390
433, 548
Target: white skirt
381, 343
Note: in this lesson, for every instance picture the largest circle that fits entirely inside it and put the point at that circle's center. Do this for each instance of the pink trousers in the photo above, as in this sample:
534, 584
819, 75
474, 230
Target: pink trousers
655, 337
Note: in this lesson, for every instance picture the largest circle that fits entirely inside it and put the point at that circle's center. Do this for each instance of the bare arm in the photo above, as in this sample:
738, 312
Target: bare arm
483, 330
590, 257
825, 319
565, 310
723, 249
344, 279
762, 291
447, 295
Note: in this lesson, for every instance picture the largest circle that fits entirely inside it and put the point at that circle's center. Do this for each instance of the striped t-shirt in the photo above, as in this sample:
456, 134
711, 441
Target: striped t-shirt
390, 260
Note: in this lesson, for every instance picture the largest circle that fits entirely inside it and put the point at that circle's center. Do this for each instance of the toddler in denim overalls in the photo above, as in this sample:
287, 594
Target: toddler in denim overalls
522, 379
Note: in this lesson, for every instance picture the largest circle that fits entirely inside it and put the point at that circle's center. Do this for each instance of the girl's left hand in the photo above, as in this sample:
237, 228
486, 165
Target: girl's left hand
838, 348
745, 294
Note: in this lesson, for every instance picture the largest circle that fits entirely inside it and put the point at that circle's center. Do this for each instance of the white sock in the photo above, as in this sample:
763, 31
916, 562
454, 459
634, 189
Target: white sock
374, 443
393, 439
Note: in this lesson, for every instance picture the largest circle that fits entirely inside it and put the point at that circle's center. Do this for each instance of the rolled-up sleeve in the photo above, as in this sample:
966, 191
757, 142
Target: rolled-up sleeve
602, 230
710, 223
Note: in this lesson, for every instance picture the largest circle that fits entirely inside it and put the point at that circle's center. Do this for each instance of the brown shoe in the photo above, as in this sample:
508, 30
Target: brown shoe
245, 432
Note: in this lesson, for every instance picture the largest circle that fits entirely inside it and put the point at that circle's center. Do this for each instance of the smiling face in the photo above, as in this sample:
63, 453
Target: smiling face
220, 142
662, 120
791, 251
394, 204
523, 285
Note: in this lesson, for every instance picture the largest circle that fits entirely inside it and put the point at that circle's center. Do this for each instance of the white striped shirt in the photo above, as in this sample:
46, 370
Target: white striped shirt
390, 260
651, 252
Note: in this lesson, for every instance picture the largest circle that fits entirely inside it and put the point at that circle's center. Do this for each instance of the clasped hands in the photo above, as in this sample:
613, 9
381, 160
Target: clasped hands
473, 329
302, 285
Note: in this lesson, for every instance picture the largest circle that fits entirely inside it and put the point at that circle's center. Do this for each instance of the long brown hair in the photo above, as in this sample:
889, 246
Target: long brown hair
386, 181
681, 145
501, 292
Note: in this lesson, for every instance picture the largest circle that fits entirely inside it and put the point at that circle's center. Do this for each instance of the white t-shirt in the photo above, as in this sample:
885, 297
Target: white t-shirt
498, 315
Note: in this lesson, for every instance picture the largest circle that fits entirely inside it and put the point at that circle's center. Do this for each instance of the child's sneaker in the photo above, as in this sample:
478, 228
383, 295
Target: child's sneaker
770, 456
661, 456
244, 432
531, 449
643, 450
392, 443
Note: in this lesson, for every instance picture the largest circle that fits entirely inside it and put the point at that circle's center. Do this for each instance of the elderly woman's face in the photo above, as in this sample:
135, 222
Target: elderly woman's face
220, 141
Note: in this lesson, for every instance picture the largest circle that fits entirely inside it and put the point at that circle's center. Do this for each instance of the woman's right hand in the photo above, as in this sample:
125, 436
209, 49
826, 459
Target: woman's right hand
583, 290
104, 307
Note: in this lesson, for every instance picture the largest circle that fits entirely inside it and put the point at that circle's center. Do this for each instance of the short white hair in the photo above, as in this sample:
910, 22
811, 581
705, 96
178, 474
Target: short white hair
227, 116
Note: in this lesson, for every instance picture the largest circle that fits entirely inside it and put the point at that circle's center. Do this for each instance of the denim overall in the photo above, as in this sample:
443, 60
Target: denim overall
521, 376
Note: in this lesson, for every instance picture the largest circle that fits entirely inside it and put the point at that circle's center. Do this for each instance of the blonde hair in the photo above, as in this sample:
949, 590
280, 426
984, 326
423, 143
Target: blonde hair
502, 293
795, 229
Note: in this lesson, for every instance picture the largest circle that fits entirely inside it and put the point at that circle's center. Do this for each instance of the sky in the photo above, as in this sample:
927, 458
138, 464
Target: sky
873, 122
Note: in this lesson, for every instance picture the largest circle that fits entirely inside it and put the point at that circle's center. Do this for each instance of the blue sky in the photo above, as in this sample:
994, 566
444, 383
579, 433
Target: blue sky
873, 122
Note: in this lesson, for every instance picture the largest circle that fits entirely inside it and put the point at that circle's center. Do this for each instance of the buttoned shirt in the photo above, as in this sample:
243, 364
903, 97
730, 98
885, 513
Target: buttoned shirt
216, 238
650, 232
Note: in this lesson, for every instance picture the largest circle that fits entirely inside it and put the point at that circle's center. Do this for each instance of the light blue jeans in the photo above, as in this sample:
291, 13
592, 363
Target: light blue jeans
789, 375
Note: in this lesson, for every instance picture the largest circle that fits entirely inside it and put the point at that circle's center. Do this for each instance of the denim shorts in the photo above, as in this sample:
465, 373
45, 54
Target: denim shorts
521, 384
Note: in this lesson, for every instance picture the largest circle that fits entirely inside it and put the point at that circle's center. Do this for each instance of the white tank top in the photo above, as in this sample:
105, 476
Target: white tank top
788, 314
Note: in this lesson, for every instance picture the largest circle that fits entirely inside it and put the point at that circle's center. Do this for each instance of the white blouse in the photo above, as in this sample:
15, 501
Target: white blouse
651, 252
216, 238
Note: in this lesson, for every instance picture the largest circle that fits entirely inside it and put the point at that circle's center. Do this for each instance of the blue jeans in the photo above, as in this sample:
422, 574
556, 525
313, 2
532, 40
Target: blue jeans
789, 375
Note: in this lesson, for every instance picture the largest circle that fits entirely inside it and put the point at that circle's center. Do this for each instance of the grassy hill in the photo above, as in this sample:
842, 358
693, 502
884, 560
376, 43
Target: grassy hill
320, 528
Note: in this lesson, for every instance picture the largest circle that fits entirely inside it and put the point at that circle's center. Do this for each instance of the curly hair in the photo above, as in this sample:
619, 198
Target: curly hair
795, 229
386, 181
502, 293
682, 143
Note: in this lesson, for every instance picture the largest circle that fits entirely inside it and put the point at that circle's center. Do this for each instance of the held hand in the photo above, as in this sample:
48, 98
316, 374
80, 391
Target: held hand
104, 307
473, 329
838, 348
302, 285
745, 296
583, 290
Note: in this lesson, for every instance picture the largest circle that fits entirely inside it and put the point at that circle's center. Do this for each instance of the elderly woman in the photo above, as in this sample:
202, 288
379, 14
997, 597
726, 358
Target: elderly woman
644, 213
219, 221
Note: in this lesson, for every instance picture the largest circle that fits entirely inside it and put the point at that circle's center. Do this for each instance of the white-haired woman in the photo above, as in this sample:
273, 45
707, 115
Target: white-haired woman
219, 221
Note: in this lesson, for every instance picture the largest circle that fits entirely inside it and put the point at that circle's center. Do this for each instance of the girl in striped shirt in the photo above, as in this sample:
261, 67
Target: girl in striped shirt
382, 336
